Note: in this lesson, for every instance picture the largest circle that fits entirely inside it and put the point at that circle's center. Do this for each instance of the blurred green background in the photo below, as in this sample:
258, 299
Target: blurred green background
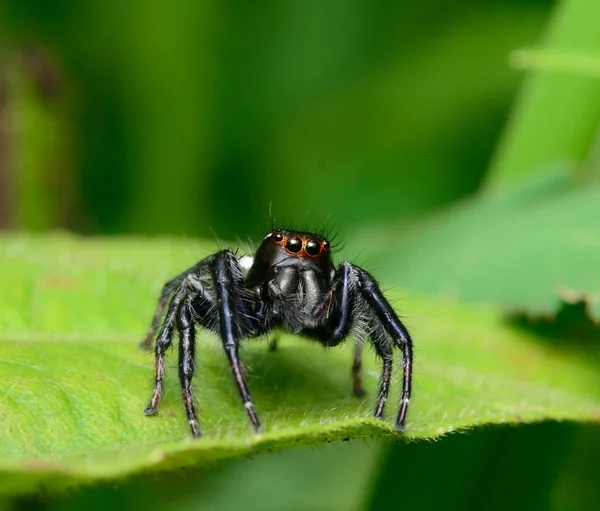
207, 118
192, 117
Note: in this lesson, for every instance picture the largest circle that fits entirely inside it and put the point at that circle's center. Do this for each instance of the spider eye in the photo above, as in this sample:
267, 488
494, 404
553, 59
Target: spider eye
325, 245
313, 247
277, 237
293, 244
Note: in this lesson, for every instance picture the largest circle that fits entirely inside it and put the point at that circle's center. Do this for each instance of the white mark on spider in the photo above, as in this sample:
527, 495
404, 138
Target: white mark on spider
248, 405
245, 262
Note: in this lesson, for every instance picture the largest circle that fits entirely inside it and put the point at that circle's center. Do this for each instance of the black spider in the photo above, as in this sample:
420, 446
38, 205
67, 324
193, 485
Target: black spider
291, 283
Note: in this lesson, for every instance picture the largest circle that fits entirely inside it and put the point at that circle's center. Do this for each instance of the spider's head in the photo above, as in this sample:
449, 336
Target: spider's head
283, 247
301, 244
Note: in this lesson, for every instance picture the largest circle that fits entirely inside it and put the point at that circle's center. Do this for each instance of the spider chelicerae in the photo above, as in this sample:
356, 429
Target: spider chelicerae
291, 284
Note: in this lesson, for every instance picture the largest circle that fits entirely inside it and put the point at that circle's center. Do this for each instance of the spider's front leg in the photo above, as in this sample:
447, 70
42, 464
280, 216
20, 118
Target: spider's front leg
391, 324
235, 320
336, 316
355, 293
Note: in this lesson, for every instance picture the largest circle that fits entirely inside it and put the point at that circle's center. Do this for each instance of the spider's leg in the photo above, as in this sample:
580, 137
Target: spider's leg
167, 291
163, 342
392, 325
274, 343
188, 287
234, 319
187, 347
335, 314
358, 389
384, 386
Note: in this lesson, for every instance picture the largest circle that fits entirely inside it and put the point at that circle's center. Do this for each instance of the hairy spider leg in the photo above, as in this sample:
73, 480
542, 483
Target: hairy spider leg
338, 316
166, 292
187, 349
184, 288
163, 343
384, 385
399, 335
233, 322
336, 309
228, 286
357, 388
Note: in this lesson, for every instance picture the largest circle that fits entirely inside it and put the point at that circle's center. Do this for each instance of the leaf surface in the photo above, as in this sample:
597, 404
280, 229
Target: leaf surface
73, 381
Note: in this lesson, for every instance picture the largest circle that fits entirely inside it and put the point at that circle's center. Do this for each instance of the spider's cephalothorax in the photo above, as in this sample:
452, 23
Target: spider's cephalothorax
292, 284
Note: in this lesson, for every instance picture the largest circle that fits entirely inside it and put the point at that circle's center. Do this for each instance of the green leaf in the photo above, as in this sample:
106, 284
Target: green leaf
555, 119
584, 64
73, 381
531, 250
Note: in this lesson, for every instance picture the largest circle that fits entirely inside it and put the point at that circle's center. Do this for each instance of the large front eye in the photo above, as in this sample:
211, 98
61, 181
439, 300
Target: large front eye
313, 248
277, 237
293, 244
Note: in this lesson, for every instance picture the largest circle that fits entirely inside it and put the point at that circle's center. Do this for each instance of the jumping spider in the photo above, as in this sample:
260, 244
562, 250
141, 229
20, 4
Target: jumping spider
292, 284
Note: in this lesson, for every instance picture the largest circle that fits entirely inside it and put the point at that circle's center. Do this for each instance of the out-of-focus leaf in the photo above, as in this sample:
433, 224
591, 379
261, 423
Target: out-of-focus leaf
529, 251
192, 119
556, 118
391, 139
546, 466
73, 381
36, 176
335, 477
570, 62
